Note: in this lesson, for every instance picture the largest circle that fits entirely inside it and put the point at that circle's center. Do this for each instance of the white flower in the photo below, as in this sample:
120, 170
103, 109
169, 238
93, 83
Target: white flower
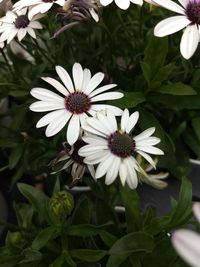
114, 148
17, 24
38, 6
188, 18
187, 242
69, 157
78, 101
123, 4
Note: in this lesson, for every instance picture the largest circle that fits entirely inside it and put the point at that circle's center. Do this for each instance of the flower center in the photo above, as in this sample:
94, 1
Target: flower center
22, 21
121, 144
77, 103
193, 11
75, 156
48, 1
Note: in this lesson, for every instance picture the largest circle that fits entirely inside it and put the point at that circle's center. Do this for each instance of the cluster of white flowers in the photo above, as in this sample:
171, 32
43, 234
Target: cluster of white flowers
113, 148
22, 19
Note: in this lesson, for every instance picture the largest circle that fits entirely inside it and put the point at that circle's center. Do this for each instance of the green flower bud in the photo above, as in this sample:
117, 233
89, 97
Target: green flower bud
62, 204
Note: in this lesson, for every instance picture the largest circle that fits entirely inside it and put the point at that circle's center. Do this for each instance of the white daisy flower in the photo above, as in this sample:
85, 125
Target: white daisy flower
17, 24
78, 101
69, 157
188, 18
114, 148
123, 4
38, 6
187, 242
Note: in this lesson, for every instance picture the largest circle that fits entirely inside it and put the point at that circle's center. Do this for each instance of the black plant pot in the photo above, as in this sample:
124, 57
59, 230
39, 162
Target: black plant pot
160, 199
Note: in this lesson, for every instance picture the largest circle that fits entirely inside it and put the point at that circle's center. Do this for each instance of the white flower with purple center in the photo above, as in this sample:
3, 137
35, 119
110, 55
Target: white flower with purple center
123, 4
37, 6
114, 148
76, 102
17, 24
187, 242
189, 20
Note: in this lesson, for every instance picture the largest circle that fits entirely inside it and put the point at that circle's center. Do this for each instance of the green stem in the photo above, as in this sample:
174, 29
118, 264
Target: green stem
7, 62
42, 52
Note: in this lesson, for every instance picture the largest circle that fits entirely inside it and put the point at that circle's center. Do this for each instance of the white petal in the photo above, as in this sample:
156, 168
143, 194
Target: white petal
102, 89
144, 134
147, 157
41, 106
57, 124
150, 150
107, 96
105, 2
132, 121
123, 173
65, 78
57, 85
96, 124
86, 79
46, 95
123, 4
189, 41
149, 141
171, 25
46, 119
95, 158
183, 2
112, 120
31, 32
73, 130
77, 76
104, 166
105, 122
170, 5
132, 179
117, 111
113, 171
196, 210
124, 120
94, 82
187, 244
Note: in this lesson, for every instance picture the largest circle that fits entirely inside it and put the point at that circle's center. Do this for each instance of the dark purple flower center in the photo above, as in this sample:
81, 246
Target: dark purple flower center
77, 103
192, 11
22, 21
75, 156
121, 144
48, 1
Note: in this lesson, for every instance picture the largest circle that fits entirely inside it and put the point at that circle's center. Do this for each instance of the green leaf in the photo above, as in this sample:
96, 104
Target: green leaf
31, 256
35, 197
88, 255
196, 126
42, 238
82, 212
108, 238
117, 260
134, 242
15, 155
155, 54
132, 209
183, 210
130, 100
86, 230
176, 89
